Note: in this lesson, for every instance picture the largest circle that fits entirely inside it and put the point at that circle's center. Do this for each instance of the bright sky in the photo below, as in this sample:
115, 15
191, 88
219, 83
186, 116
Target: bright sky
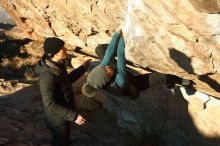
4, 17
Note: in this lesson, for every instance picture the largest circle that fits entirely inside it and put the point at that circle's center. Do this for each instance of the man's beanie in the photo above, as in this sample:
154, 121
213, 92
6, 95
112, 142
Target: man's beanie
96, 79
52, 45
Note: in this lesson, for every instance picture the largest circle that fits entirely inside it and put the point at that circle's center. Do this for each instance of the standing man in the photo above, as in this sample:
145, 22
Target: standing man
56, 91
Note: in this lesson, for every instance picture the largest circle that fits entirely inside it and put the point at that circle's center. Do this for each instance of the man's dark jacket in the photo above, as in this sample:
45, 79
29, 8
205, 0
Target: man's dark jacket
56, 91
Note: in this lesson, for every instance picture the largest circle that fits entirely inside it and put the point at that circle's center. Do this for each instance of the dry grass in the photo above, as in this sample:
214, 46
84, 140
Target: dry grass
16, 62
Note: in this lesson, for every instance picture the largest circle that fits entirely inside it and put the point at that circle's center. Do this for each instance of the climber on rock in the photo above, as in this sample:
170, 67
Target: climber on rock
111, 75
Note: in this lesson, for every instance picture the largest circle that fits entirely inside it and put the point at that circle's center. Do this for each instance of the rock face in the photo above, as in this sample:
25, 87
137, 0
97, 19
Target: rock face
80, 23
171, 37
211, 6
179, 37
170, 118
176, 39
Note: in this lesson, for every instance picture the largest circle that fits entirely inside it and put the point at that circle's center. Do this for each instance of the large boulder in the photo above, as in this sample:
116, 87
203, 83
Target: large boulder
171, 37
169, 118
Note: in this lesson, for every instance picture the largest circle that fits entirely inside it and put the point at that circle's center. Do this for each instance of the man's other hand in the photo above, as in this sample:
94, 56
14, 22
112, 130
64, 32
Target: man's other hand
80, 120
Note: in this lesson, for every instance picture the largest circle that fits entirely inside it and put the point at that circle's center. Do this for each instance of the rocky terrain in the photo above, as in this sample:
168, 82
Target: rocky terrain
167, 37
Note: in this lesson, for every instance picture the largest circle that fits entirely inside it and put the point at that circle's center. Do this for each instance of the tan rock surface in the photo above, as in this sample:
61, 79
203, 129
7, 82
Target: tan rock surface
172, 37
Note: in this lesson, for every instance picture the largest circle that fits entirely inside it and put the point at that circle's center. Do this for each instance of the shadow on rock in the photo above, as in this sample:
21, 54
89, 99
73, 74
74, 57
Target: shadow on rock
6, 26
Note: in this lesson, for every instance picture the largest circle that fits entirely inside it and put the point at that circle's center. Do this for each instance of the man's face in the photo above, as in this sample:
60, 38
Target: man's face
62, 54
